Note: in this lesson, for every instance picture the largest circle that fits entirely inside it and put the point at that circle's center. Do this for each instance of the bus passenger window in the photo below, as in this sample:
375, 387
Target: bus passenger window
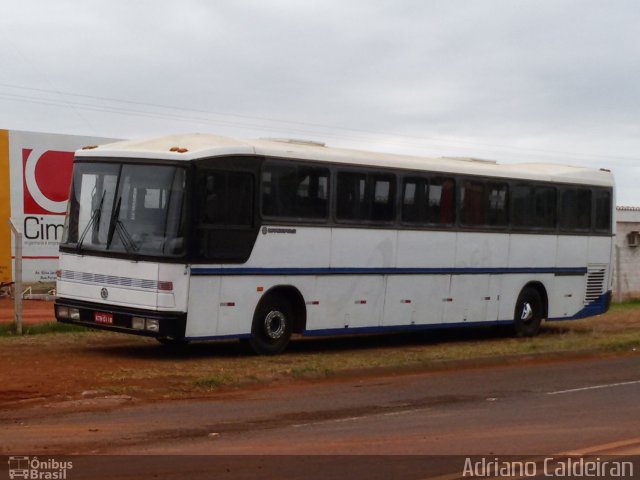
366, 197
575, 211
351, 196
496, 204
545, 208
441, 209
472, 207
384, 193
522, 208
413, 200
291, 191
602, 210
226, 198
312, 199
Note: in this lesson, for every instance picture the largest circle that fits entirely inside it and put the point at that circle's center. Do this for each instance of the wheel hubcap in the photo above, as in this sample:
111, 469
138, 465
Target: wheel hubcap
275, 324
527, 312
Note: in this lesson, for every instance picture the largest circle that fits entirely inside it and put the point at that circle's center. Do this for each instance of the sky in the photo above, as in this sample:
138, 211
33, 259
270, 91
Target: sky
511, 80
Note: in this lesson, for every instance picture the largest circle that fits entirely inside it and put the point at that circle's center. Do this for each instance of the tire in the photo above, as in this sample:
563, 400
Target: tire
528, 313
272, 326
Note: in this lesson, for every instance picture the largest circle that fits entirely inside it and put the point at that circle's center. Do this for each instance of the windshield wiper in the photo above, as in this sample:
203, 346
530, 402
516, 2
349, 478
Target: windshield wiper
117, 226
94, 220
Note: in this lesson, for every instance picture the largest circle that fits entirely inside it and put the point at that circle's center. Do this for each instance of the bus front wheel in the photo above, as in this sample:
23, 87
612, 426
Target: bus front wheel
272, 326
528, 313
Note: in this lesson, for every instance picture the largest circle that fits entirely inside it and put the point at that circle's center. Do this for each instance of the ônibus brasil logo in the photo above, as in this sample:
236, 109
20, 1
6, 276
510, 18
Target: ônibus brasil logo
34, 468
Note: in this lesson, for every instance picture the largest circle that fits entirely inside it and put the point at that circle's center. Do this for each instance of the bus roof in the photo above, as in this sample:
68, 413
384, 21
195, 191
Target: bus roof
197, 146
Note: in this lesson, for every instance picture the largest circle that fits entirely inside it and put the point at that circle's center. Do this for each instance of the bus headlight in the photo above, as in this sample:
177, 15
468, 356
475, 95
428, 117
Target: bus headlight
152, 325
137, 323
74, 314
63, 312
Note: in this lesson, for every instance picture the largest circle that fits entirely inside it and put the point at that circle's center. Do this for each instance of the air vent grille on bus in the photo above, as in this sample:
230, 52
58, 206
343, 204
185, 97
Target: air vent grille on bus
595, 284
96, 278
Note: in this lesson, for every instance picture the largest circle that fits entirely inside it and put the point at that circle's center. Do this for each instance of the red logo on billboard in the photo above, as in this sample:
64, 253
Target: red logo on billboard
46, 180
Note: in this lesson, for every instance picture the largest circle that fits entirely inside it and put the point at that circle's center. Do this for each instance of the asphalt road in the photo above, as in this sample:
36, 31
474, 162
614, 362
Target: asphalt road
579, 406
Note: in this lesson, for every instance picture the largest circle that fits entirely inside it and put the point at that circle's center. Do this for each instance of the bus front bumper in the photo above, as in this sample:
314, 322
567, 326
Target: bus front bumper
121, 319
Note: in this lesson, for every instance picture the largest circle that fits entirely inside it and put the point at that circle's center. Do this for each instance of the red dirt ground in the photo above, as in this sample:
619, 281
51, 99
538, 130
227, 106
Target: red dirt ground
33, 311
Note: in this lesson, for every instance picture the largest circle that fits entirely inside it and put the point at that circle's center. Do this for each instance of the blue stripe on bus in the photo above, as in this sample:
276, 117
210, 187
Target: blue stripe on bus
401, 328
385, 271
599, 306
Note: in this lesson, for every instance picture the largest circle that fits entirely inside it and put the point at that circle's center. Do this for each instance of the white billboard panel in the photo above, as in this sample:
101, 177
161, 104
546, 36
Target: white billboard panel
40, 174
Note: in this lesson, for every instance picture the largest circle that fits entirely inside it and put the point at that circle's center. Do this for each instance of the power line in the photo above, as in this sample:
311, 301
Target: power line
272, 124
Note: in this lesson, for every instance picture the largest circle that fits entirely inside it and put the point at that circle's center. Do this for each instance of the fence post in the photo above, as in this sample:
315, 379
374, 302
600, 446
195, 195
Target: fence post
17, 292
619, 295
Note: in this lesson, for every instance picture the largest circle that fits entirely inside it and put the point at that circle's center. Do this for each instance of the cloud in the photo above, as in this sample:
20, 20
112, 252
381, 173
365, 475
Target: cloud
547, 79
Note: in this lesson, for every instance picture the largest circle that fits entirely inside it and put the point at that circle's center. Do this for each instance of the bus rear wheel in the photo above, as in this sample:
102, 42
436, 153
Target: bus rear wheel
528, 313
272, 326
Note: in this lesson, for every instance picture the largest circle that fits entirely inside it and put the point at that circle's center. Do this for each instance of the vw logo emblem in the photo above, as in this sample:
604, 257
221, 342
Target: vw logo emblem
104, 293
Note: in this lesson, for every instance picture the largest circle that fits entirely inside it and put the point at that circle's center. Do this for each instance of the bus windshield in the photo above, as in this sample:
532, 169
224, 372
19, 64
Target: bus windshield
126, 209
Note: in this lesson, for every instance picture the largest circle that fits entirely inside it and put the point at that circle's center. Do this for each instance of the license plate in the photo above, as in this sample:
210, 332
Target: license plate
104, 318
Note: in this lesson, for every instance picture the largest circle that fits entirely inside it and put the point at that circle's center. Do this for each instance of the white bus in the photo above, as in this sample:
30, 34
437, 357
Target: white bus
200, 237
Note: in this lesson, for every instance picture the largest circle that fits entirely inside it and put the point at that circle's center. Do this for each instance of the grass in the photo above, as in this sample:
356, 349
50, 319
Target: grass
141, 366
9, 329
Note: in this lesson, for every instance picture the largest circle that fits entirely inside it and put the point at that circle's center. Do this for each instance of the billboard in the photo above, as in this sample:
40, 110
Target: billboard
35, 174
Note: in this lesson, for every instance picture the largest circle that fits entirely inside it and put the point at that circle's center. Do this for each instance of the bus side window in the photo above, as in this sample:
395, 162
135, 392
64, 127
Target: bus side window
575, 210
384, 196
351, 196
496, 204
414, 198
522, 206
240, 199
311, 199
226, 199
290, 191
441, 207
602, 209
472, 205
366, 197
545, 208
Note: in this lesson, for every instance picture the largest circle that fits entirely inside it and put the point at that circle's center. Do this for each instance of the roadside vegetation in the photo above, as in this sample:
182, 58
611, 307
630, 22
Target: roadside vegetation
9, 329
143, 368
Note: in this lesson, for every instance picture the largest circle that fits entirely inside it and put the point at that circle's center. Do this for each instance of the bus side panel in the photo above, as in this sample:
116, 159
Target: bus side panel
567, 296
204, 302
601, 254
599, 250
238, 299
470, 298
300, 247
352, 301
527, 251
240, 296
481, 250
363, 248
466, 302
415, 299
494, 296
535, 251
426, 249
572, 251
420, 299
